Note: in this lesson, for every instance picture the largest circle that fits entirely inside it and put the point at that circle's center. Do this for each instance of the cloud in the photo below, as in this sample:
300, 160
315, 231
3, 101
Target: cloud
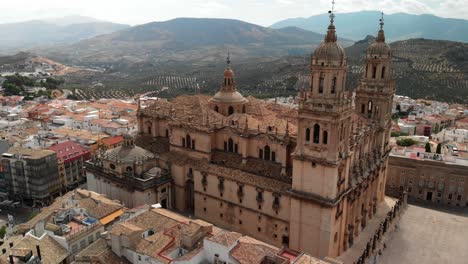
263, 12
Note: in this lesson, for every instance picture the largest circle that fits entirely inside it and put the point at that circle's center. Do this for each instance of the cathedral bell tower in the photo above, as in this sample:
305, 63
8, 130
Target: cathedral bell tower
324, 118
321, 158
374, 94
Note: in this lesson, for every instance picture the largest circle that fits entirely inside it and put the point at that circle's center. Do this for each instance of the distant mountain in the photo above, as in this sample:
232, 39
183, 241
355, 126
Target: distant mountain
35, 33
190, 39
398, 26
70, 20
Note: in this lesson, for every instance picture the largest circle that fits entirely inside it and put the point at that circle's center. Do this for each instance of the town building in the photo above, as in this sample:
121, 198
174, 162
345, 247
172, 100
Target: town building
71, 158
436, 178
29, 249
308, 178
31, 176
75, 220
162, 236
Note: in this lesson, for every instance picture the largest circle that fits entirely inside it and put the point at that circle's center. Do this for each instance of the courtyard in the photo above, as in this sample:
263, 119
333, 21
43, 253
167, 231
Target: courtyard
428, 236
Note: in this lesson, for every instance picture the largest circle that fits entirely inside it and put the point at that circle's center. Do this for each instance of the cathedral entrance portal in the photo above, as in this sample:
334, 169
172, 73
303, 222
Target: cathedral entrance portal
189, 197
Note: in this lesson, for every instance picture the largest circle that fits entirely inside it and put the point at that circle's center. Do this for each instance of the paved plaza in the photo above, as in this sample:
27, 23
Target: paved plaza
428, 236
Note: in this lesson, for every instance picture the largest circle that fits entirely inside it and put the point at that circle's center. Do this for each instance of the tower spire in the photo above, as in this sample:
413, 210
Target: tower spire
331, 34
228, 59
381, 35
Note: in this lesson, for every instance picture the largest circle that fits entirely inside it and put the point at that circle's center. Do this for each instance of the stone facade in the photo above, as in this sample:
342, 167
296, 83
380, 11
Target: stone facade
429, 177
306, 178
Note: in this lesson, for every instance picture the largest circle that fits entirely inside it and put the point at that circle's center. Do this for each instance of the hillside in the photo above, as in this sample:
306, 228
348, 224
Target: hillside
398, 26
431, 69
423, 68
32, 34
188, 40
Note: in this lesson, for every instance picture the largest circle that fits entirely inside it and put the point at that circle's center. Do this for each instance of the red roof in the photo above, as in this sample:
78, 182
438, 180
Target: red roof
69, 150
112, 140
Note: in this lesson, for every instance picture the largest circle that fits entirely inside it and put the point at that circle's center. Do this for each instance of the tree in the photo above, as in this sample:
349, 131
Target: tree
406, 142
439, 149
428, 147
2, 232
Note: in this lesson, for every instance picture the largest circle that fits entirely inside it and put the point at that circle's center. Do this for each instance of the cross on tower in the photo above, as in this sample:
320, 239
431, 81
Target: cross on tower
382, 20
332, 12
228, 59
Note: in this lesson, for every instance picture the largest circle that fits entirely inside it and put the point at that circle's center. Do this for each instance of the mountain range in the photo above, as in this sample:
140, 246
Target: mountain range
189, 40
45, 33
400, 26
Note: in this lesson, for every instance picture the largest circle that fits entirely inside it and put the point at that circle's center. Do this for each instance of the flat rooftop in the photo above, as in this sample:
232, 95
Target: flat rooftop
428, 236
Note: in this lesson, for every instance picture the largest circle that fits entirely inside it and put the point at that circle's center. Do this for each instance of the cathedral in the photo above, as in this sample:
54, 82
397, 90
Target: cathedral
308, 178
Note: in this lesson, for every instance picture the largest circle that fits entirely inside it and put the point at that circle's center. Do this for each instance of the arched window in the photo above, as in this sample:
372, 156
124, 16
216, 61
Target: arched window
321, 82
367, 70
307, 134
383, 72
188, 140
374, 72
216, 108
230, 145
183, 142
333, 87
260, 153
273, 156
129, 169
193, 143
149, 130
231, 110
267, 152
325, 137
243, 109
316, 133
363, 108
167, 133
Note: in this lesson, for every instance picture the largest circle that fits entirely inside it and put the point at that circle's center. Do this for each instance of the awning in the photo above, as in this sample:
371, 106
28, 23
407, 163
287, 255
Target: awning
111, 217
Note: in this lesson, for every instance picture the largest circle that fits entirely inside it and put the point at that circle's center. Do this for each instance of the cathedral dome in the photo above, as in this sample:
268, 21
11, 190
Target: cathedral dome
379, 47
126, 154
229, 97
329, 51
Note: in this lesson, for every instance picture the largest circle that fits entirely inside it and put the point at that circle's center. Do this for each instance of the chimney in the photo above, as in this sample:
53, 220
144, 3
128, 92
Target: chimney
11, 260
38, 249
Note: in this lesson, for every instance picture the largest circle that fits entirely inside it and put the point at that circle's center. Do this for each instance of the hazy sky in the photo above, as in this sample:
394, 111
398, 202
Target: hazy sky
263, 12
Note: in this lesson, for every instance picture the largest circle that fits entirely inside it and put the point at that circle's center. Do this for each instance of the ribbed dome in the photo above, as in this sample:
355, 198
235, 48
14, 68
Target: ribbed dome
379, 48
229, 97
128, 154
329, 51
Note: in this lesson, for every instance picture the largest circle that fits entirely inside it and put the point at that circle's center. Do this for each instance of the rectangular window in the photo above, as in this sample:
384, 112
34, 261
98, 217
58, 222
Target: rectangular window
321, 82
